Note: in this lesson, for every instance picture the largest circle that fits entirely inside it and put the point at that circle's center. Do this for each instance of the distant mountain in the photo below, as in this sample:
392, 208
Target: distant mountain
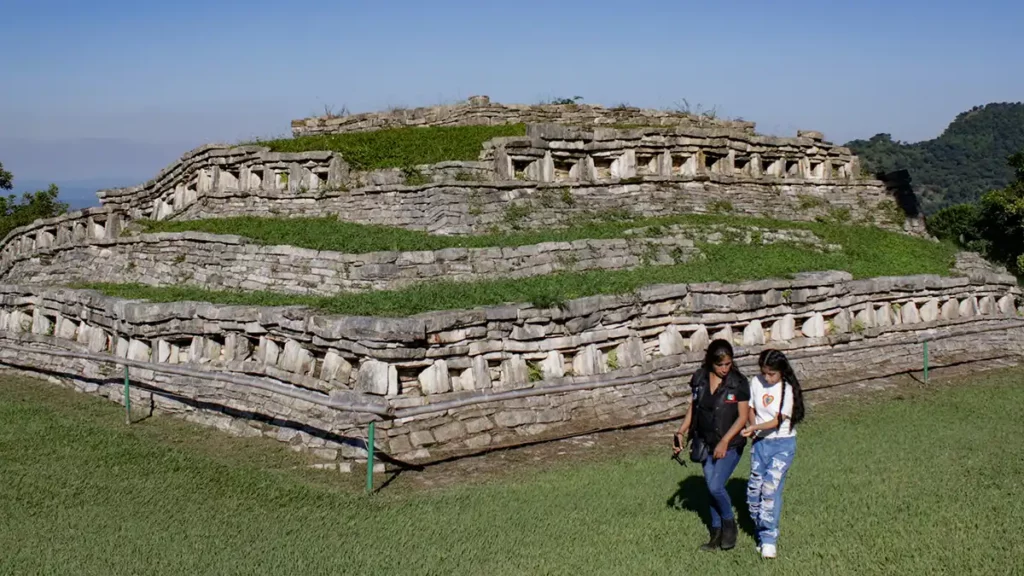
965, 161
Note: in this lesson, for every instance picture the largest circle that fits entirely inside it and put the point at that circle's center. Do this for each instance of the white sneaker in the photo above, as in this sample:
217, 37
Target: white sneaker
768, 550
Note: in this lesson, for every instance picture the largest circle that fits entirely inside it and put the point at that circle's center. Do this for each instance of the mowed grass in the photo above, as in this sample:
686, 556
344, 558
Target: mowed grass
867, 252
399, 147
931, 484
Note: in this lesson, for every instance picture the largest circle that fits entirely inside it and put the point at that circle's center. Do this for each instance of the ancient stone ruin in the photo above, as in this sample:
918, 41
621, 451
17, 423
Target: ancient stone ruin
506, 374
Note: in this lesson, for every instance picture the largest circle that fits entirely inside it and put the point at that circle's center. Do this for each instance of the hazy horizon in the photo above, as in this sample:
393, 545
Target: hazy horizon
112, 91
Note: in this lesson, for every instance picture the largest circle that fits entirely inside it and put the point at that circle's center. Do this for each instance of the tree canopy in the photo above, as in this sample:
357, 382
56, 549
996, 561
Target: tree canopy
963, 163
994, 225
15, 212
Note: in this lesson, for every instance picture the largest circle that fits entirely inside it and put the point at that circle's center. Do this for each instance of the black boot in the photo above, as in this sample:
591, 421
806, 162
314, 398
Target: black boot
715, 542
728, 534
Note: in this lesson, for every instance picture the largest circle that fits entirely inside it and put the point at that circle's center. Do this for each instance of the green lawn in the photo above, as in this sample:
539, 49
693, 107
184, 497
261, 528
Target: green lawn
930, 484
867, 252
400, 147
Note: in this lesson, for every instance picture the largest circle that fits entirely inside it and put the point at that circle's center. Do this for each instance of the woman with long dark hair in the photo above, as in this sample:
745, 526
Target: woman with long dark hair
719, 403
777, 406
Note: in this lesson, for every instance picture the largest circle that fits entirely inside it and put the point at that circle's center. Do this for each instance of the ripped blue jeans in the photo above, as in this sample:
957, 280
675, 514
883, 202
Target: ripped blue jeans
770, 460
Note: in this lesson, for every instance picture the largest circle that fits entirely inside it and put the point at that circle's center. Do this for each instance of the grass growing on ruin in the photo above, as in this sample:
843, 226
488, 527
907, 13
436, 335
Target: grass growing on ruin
331, 234
399, 147
867, 252
900, 487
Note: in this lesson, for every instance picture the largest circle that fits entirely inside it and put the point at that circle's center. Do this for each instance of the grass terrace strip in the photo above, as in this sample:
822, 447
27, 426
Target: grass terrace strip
84, 494
867, 253
339, 236
399, 147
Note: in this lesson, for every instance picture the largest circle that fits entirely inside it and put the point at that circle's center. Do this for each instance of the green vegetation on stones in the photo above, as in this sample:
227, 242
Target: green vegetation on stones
400, 147
867, 252
720, 207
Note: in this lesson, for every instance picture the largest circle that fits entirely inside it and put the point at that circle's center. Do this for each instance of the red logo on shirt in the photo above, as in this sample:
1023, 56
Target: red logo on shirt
767, 399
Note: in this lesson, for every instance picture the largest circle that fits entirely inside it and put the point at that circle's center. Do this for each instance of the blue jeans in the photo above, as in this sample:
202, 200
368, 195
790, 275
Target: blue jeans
716, 474
770, 460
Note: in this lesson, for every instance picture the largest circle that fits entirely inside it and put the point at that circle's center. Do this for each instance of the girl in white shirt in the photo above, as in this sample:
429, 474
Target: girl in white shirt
777, 406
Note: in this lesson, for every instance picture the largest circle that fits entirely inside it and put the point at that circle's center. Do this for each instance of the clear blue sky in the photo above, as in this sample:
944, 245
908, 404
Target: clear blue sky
162, 76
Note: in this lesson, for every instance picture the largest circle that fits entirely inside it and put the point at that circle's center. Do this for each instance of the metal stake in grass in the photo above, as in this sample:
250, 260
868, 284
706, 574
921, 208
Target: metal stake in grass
369, 459
127, 398
926, 361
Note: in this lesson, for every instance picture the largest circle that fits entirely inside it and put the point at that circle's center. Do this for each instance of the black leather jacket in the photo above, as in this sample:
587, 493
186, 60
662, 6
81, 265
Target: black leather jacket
713, 415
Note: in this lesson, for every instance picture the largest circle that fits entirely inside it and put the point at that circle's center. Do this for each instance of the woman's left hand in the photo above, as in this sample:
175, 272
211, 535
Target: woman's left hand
720, 450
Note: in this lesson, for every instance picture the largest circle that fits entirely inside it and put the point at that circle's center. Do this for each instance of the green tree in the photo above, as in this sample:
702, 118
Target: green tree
963, 163
15, 212
994, 226
6, 180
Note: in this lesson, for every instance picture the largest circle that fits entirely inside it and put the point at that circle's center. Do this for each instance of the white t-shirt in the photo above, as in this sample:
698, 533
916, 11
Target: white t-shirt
764, 400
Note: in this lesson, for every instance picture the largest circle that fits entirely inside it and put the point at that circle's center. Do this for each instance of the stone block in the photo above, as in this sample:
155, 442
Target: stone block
163, 351
513, 418
296, 359
449, 431
910, 313
969, 307
883, 316
268, 351
631, 352
725, 333
553, 365
988, 305
375, 377
478, 441
121, 349
814, 327
98, 340
866, 317
421, 438
477, 425
587, 362
950, 310
138, 350
335, 368
514, 371
842, 322
699, 340
481, 374
930, 311
670, 342
66, 328
753, 334
435, 379
1006, 305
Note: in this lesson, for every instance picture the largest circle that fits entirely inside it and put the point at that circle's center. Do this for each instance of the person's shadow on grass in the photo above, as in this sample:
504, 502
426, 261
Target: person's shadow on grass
692, 495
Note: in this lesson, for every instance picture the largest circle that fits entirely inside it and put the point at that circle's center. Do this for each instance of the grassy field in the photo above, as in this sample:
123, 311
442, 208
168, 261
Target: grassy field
867, 252
400, 147
922, 485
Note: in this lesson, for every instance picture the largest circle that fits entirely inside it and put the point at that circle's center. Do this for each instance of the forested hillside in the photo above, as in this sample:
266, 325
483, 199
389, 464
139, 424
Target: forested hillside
968, 159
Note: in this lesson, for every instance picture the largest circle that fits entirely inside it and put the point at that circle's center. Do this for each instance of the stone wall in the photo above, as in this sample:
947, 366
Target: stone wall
553, 153
870, 327
714, 166
222, 262
479, 110
473, 208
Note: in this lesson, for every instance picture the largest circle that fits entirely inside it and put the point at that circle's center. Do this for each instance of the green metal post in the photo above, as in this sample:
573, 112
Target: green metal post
369, 459
127, 399
926, 361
